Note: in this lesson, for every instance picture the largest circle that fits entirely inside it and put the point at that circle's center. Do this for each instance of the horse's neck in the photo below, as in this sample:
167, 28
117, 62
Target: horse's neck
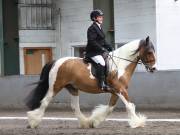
128, 73
124, 52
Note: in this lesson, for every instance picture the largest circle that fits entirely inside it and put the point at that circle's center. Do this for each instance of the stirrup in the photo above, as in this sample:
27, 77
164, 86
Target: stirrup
106, 88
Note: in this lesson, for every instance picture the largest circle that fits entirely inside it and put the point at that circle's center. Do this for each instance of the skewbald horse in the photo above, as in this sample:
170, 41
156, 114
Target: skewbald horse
72, 73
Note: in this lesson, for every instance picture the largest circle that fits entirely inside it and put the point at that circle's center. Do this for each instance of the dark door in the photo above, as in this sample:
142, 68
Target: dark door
1, 41
11, 38
107, 6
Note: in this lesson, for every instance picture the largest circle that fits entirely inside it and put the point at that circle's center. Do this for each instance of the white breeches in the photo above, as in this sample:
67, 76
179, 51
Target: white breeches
98, 59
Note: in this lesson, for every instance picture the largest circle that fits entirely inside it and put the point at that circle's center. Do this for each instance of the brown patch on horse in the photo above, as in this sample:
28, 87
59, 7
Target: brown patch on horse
76, 73
121, 84
113, 81
126, 77
113, 100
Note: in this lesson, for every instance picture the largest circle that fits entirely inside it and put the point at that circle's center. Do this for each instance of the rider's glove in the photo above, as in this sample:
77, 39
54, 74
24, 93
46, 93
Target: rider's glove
109, 49
105, 50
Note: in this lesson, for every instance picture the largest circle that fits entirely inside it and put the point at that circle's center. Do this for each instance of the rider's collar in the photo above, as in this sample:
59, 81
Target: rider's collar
99, 25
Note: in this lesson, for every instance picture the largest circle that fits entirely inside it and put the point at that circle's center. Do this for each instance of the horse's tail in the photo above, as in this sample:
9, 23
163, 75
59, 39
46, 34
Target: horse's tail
33, 100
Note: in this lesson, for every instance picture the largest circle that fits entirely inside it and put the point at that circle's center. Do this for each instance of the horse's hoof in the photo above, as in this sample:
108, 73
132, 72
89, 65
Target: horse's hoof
91, 125
28, 126
139, 121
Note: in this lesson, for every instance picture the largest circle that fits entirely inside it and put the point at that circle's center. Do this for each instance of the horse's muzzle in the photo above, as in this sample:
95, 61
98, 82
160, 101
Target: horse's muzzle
152, 70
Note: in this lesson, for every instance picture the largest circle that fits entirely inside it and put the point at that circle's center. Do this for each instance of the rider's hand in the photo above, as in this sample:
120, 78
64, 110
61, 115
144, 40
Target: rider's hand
105, 54
105, 50
110, 49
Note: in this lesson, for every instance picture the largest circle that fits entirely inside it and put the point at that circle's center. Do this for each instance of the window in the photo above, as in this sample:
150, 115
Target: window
120, 44
35, 14
79, 51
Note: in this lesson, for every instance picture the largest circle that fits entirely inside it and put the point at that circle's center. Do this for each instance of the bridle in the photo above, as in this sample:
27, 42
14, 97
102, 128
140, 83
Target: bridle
147, 66
145, 63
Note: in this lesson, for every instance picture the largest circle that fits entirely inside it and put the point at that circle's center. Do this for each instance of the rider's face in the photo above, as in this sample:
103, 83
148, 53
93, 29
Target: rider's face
100, 19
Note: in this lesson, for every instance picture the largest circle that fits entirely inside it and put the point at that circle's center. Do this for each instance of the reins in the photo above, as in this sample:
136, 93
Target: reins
112, 56
125, 59
137, 62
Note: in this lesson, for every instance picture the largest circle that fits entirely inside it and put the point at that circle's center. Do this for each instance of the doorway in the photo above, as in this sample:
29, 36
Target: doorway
35, 59
11, 37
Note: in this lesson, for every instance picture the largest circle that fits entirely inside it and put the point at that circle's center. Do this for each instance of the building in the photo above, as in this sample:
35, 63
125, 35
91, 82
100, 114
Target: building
33, 32
36, 31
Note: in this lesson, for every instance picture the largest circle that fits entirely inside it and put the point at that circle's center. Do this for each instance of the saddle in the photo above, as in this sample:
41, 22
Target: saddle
87, 60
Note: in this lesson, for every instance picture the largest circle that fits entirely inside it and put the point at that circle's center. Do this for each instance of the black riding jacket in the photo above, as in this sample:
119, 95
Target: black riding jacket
96, 44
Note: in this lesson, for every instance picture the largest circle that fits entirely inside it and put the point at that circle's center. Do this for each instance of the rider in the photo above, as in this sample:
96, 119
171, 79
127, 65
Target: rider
97, 46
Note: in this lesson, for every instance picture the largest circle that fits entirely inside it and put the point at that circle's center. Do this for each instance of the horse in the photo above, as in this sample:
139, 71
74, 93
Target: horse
75, 75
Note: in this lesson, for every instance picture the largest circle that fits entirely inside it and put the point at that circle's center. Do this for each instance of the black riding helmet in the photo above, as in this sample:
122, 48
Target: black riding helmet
95, 13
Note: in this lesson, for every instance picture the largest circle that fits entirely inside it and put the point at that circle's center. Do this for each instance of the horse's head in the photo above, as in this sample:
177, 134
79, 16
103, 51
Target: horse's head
147, 54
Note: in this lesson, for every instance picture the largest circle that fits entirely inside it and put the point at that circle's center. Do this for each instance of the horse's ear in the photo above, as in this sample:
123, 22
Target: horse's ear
147, 39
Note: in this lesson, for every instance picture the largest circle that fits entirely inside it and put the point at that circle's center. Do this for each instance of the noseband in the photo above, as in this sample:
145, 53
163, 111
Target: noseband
146, 64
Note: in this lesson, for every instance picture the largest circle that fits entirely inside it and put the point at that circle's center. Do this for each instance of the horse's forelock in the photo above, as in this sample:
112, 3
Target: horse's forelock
147, 45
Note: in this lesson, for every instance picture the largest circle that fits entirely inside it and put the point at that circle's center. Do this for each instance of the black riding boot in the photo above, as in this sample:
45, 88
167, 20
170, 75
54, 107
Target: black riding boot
101, 78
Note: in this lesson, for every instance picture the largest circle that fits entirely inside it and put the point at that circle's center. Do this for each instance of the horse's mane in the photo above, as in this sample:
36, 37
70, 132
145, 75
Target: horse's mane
141, 43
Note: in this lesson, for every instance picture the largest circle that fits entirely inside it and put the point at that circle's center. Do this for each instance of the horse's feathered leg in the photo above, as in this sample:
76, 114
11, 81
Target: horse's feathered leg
101, 112
39, 98
135, 120
35, 116
84, 121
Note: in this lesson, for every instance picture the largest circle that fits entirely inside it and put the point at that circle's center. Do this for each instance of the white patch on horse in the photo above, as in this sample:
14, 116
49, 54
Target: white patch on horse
155, 65
125, 52
120, 72
100, 113
84, 122
55, 68
135, 120
35, 116
91, 75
